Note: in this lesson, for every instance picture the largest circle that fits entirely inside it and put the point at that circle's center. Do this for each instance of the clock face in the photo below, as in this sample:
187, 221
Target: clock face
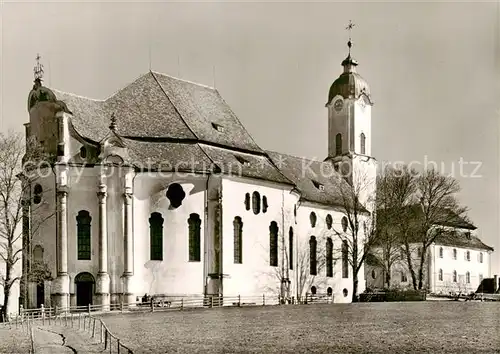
338, 104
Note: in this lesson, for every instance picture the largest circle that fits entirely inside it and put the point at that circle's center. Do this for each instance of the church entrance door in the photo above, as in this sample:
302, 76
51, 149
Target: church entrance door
85, 285
40, 295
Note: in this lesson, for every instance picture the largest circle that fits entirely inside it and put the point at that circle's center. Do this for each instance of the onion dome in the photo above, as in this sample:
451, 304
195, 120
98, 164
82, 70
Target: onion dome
349, 84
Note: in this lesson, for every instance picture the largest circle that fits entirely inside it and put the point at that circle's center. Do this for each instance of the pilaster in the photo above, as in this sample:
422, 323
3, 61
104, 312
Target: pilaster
128, 239
60, 285
103, 279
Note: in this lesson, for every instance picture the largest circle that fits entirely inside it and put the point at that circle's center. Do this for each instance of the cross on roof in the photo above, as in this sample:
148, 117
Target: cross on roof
38, 69
349, 27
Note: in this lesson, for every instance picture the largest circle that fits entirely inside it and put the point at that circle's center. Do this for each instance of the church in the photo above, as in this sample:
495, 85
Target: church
160, 190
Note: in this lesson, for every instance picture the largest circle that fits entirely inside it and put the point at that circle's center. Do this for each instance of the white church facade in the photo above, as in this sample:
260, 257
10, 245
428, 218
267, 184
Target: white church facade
160, 190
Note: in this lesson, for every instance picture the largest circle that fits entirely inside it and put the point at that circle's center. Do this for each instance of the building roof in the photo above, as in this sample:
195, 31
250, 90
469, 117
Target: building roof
317, 181
349, 84
459, 236
445, 218
176, 125
159, 106
461, 239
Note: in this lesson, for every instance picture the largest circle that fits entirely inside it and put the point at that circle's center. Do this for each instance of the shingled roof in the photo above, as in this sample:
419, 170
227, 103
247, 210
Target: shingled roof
160, 106
461, 239
176, 125
317, 181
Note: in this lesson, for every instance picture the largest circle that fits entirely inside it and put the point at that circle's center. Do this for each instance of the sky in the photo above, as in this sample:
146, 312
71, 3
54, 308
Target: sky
433, 69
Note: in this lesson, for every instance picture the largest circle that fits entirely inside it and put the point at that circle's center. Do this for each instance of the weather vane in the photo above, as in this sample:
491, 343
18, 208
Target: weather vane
349, 27
38, 69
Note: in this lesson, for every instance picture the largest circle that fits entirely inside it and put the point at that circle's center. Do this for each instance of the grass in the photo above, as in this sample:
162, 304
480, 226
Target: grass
14, 340
433, 327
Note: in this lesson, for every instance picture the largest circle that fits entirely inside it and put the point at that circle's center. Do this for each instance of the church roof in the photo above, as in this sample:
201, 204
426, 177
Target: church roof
160, 106
317, 181
171, 124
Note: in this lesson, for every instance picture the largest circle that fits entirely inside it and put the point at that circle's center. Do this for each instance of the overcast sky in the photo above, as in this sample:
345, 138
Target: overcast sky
433, 69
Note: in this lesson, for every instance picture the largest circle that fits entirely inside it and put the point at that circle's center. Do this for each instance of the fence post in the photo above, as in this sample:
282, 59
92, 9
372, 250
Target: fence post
239, 300
211, 301
263, 300
93, 327
121, 305
79, 320
105, 338
88, 309
152, 305
118, 340
55, 311
182, 303
100, 331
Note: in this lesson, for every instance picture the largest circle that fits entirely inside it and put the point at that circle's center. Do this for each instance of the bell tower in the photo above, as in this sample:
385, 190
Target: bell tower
349, 125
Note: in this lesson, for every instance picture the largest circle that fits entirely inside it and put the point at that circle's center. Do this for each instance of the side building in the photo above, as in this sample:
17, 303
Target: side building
456, 262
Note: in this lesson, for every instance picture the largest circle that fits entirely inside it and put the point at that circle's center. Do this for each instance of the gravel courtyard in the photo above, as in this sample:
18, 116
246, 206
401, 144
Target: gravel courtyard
431, 327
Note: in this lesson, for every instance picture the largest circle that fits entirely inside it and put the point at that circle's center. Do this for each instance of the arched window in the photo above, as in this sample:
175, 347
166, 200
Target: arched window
313, 290
273, 244
363, 143
345, 292
329, 291
313, 219
290, 247
338, 144
37, 191
454, 254
194, 223
264, 204
374, 275
440, 252
481, 257
238, 241
156, 237
440, 275
247, 201
454, 276
38, 253
329, 257
83, 221
83, 152
256, 202
313, 269
329, 222
467, 256
467, 278
404, 279
419, 251
344, 224
345, 259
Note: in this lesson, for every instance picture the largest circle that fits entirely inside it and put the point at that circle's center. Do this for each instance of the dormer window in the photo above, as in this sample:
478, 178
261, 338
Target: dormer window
83, 152
241, 160
467, 235
218, 127
318, 185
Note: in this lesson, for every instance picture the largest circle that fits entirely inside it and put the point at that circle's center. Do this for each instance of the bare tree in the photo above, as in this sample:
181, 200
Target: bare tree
437, 208
396, 188
14, 197
358, 232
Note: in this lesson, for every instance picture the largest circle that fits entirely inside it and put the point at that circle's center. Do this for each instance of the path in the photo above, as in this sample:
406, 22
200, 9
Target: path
62, 340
